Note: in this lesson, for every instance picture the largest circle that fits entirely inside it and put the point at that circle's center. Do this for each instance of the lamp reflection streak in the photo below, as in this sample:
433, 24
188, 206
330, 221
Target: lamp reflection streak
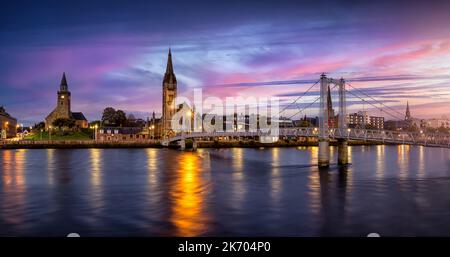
14, 186
188, 197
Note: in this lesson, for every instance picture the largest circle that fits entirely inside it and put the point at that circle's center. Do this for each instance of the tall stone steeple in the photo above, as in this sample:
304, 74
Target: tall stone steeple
330, 109
62, 109
329, 103
63, 85
407, 113
169, 95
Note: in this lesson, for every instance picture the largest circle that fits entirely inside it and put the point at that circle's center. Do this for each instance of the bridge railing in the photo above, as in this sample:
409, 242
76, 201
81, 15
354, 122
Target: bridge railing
387, 136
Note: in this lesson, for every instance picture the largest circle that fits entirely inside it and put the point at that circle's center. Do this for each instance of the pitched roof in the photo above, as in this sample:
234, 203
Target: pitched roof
63, 79
4, 113
63, 86
78, 116
169, 76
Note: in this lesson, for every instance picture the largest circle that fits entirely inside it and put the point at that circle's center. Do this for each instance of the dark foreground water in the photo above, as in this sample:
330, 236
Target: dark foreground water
391, 190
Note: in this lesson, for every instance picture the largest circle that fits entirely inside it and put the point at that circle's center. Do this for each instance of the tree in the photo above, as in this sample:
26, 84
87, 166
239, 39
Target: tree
120, 118
108, 117
131, 117
443, 129
39, 126
97, 123
131, 120
63, 122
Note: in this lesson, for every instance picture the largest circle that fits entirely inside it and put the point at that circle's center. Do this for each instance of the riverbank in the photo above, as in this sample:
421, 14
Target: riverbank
255, 144
73, 144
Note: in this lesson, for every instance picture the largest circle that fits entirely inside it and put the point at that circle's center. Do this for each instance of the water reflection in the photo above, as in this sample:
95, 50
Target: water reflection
188, 196
314, 192
152, 166
380, 161
51, 165
275, 191
403, 160
421, 164
13, 186
275, 178
96, 197
238, 186
96, 170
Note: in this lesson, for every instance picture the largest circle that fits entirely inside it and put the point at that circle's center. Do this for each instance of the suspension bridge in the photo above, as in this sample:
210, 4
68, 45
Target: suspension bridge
324, 133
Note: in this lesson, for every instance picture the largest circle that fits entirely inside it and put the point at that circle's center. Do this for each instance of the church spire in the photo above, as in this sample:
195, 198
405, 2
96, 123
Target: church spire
63, 85
408, 113
329, 103
169, 68
169, 76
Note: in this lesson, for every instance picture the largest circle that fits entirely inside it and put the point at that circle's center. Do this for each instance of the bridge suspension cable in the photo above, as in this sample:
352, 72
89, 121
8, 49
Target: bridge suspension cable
365, 101
309, 105
381, 103
298, 98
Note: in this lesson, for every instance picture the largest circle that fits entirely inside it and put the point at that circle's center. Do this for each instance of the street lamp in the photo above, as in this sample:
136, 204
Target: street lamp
50, 132
152, 128
6, 129
95, 132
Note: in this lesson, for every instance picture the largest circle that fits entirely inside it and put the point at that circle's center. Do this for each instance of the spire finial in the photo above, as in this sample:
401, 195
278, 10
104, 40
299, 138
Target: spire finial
408, 113
63, 85
169, 68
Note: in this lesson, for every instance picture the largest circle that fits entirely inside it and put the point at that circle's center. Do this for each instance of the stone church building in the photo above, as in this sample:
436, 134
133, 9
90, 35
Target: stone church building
162, 127
63, 110
169, 94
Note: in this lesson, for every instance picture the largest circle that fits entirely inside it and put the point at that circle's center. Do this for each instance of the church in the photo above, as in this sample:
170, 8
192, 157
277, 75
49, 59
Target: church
161, 128
155, 128
63, 110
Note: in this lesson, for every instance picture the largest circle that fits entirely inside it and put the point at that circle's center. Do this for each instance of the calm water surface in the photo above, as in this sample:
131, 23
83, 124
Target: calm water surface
391, 190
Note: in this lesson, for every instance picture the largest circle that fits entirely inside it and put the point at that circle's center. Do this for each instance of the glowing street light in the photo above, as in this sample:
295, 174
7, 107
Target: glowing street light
95, 131
50, 133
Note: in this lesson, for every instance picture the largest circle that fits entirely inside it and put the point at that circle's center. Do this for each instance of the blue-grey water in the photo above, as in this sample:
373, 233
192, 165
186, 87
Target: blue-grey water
390, 190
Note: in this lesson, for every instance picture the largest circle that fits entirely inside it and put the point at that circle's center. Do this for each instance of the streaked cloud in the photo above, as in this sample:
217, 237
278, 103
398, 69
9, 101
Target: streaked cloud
114, 52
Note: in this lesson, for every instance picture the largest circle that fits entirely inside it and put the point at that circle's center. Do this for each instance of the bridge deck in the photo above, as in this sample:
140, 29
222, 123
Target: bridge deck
387, 136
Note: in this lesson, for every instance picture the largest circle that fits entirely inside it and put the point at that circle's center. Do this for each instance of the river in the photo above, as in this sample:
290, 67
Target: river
391, 190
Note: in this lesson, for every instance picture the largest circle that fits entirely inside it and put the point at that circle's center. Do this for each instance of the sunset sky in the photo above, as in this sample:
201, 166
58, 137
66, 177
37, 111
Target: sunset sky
114, 52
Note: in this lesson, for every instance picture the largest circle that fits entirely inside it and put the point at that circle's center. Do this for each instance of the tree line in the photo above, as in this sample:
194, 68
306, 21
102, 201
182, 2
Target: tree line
118, 118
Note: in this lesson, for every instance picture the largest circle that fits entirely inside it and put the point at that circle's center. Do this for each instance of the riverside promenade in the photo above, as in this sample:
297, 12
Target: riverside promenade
73, 144
69, 144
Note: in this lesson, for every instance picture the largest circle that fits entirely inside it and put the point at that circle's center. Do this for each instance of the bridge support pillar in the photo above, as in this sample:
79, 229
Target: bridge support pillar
194, 145
324, 153
183, 144
342, 152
